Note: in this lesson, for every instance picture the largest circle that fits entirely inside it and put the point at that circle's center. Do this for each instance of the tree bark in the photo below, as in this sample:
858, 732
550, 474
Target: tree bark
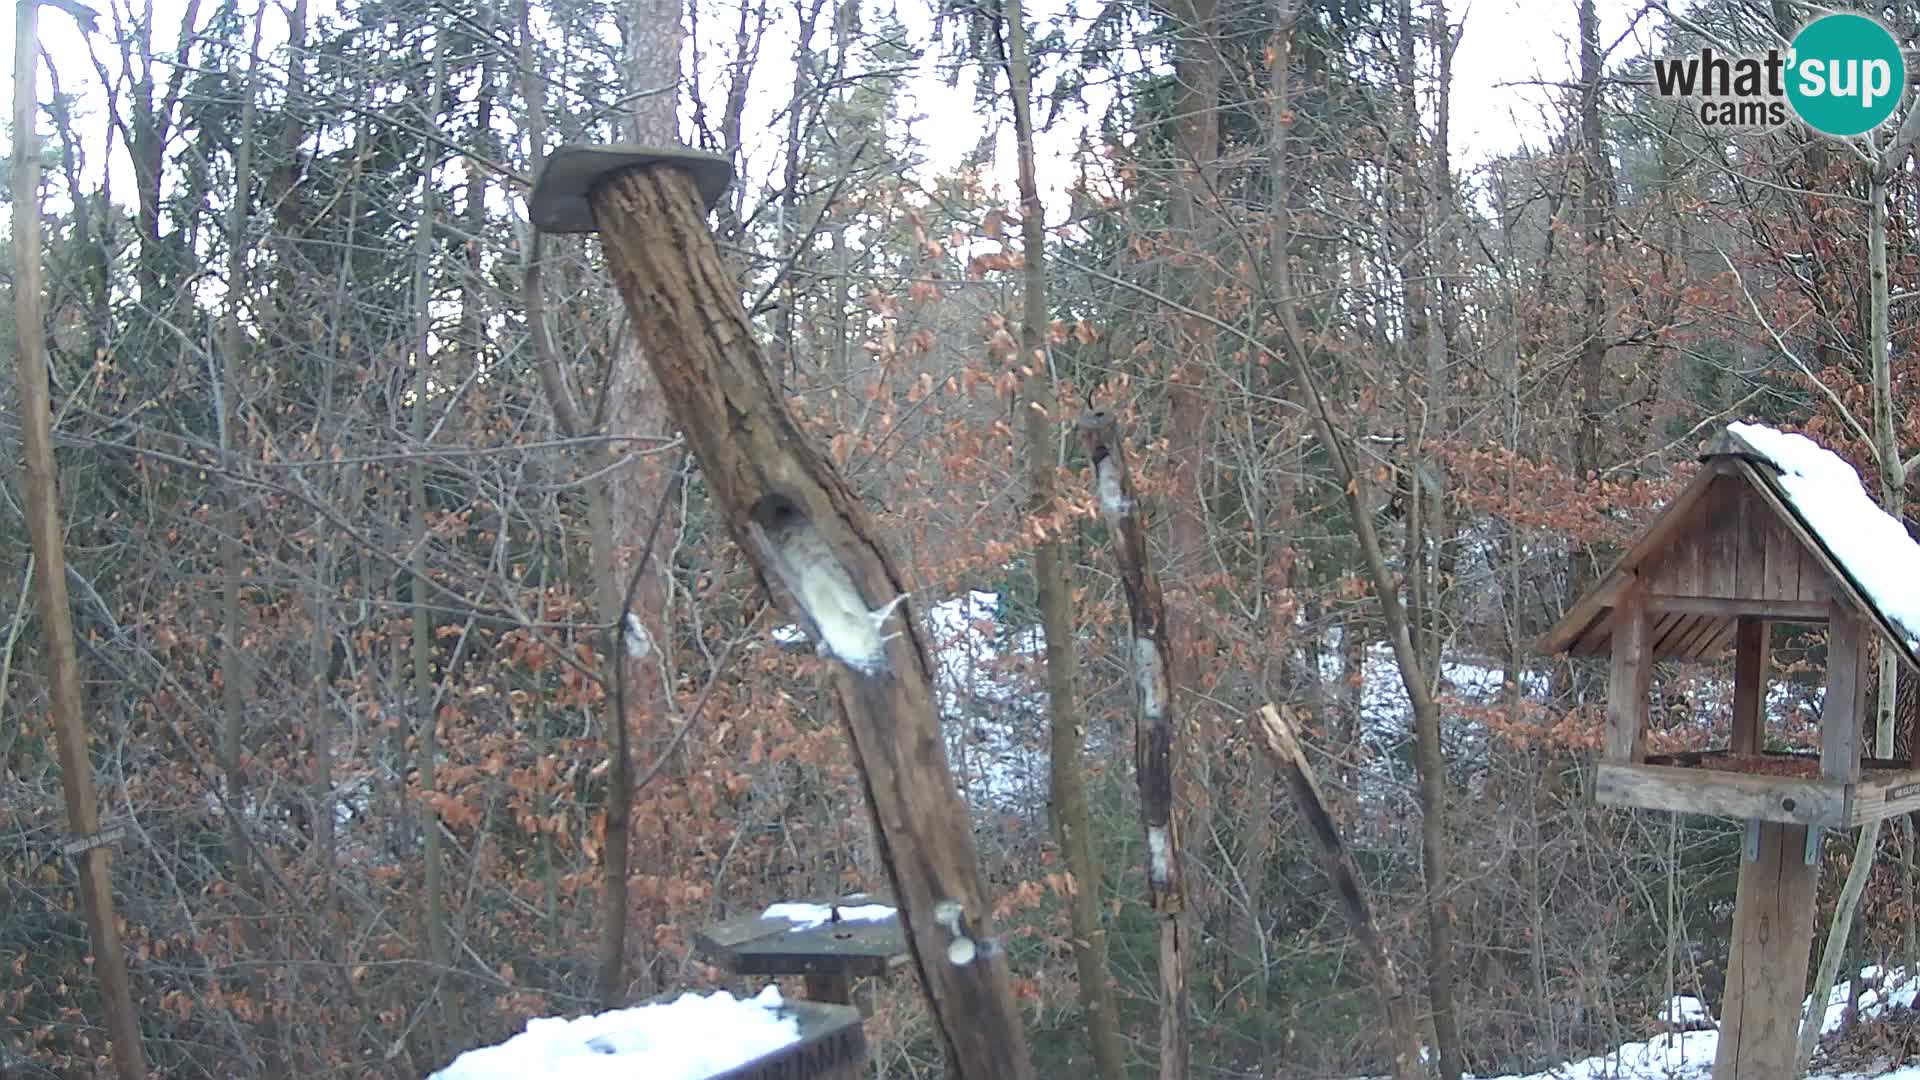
1047, 519
811, 541
1155, 731
635, 407
439, 950
48, 538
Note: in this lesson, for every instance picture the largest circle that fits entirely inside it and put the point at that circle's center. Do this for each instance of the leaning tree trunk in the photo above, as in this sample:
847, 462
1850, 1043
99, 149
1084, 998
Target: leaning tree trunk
1282, 745
810, 539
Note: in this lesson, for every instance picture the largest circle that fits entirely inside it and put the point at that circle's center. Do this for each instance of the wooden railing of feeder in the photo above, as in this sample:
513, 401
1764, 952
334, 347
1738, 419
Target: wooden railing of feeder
1726, 560
809, 539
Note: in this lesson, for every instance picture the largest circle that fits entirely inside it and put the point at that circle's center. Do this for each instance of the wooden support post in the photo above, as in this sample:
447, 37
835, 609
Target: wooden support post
809, 538
1284, 748
1845, 705
1632, 674
1751, 654
836, 988
1767, 975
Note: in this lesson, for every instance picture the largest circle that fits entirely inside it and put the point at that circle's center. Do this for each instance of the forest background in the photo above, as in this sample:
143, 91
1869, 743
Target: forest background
356, 469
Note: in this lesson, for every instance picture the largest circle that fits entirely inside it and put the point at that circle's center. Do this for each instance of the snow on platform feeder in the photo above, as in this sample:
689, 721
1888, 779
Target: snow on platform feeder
696, 1037
1773, 529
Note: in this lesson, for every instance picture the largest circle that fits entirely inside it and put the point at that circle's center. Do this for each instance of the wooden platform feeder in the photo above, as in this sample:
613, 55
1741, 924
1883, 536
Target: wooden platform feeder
830, 955
1729, 558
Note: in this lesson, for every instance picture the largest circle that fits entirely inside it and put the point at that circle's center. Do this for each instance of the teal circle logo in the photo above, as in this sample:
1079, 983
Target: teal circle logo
1847, 75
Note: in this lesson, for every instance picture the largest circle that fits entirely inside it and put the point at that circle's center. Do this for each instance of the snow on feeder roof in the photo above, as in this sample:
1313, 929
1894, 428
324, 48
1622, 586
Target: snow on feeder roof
1870, 546
1773, 520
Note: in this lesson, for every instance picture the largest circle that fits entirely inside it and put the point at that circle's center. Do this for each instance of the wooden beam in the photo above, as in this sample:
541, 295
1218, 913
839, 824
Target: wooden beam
1722, 794
1885, 796
1750, 686
1632, 672
810, 539
1807, 611
1767, 973
1845, 703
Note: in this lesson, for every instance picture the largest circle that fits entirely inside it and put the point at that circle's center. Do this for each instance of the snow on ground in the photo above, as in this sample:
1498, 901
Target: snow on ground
1688, 1055
1873, 546
687, 1039
808, 916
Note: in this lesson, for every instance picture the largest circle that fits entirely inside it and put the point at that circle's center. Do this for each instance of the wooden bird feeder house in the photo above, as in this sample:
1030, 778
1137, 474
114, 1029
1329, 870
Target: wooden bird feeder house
1756, 540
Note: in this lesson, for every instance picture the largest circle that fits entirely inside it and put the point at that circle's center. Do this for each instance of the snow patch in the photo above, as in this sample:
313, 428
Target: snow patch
808, 916
1113, 502
1151, 678
1688, 1055
688, 1039
1870, 544
1159, 854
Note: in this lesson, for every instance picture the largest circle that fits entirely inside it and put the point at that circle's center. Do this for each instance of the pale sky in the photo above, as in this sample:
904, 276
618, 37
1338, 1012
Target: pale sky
1509, 47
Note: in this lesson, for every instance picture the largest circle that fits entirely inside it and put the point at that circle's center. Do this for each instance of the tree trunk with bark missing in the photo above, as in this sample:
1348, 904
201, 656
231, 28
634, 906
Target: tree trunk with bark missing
811, 541
1155, 731
1283, 747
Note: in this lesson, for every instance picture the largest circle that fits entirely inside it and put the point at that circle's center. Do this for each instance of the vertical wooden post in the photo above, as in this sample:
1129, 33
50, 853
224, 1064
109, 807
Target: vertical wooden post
1846, 695
1632, 673
1767, 975
1751, 655
835, 987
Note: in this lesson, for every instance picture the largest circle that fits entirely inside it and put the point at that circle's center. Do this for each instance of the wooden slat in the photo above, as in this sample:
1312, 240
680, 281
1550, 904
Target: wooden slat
1885, 797
1749, 686
1781, 610
1755, 523
1631, 672
1720, 543
1693, 641
1721, 794
1664, 631
1722, 641
1846, 695
1784, 558
1767, 973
